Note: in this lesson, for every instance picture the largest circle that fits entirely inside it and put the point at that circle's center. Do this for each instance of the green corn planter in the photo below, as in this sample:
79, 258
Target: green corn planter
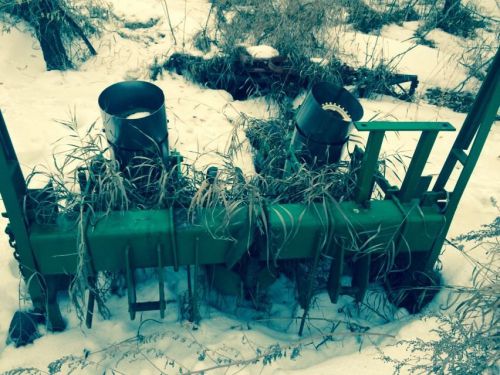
412, 221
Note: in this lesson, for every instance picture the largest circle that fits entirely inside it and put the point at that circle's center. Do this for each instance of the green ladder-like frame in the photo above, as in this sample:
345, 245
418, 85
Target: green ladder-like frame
472, 137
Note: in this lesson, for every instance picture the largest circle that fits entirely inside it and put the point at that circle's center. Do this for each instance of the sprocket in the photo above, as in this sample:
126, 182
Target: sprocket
334, 107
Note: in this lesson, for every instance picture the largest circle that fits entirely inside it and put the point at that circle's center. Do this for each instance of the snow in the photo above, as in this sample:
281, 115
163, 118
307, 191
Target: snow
262, 52
200, 123
487, 7
395, 48
137, 115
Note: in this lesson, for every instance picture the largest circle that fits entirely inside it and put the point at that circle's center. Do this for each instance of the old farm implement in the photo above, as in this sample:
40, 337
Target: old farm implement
239, 247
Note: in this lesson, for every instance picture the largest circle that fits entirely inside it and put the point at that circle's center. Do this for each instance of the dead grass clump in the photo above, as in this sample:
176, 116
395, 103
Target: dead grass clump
367, 18
295, 28
459, 101
465, 340
299, 30
452, 17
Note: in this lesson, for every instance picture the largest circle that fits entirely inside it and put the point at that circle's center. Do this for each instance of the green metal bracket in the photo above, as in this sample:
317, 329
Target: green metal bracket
333, 285
361, 276
401, 126
368, 173
133, 305
411, 183
193, 284
368, 168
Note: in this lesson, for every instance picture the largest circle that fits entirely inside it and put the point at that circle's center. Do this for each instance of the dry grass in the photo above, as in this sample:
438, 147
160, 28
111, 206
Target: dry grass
465, 339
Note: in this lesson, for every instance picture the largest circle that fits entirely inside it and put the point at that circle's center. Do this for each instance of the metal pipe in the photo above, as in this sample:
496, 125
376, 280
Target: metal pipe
135, 120
323, 123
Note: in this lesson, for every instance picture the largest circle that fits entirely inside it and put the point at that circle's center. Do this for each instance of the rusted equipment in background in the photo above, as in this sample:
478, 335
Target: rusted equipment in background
243, 76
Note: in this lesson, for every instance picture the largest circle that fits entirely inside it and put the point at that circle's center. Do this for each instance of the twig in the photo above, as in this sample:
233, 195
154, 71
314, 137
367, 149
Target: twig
208, 18
165, 8
184, 26
297, 343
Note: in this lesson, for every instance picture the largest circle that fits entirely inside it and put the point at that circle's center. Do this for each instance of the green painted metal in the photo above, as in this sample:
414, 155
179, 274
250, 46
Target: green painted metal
401, 126
406, 229
410, 185
135, 306
293, 230
333, 285
13, 191
368, 168
125, 241
472, 135
321, 242
361, 275
218, 236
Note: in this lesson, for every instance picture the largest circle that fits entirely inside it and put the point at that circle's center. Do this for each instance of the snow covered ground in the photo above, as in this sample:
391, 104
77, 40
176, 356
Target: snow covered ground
201, 121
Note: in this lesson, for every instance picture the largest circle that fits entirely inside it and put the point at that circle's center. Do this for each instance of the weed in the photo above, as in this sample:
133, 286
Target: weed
201, 41
366, 19
487, 232
466, 336
452, 17
459, 20
458, 101
421, 39
159, 352
308, 37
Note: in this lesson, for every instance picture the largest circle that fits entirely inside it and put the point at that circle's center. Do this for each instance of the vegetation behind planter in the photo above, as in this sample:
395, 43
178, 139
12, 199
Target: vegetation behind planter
62, 29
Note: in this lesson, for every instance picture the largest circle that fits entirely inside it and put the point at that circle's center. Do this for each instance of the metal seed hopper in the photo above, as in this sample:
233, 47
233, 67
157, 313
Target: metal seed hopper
413, 218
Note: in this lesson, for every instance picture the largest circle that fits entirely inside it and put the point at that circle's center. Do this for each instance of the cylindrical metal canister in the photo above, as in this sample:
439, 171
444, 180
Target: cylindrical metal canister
135, 120
323, 123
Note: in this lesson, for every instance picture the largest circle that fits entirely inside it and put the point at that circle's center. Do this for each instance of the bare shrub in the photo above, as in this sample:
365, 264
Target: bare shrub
467, 331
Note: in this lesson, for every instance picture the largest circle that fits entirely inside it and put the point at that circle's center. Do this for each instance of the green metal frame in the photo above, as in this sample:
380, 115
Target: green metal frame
13, 191
410, 220
472, 135
411, 184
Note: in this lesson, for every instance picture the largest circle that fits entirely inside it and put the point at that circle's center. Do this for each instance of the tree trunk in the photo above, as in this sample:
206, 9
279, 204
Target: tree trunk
48, 31
50, 20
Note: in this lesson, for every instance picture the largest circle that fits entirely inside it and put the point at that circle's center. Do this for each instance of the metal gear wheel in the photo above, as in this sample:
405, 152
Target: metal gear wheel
334, 107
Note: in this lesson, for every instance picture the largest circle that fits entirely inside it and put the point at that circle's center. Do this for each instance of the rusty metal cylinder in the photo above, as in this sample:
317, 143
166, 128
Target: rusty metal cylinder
323, 122
135, 121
